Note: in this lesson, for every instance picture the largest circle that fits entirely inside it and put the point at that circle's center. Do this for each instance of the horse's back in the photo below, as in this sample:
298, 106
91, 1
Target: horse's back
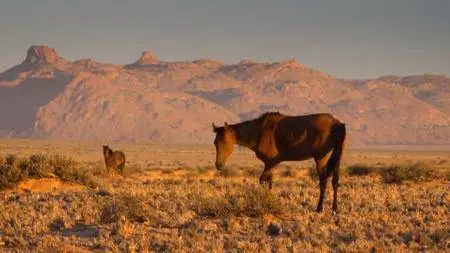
306, 135
119, 156
316, 124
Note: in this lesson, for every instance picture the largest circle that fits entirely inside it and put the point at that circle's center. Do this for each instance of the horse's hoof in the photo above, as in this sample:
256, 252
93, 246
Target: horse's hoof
335, 208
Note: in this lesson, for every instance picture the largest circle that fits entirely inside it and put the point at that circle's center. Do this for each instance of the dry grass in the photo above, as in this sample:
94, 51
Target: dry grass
165, 208
229, 172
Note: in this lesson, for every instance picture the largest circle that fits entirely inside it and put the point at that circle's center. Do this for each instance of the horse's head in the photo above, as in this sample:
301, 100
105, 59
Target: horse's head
105, 149
224, 142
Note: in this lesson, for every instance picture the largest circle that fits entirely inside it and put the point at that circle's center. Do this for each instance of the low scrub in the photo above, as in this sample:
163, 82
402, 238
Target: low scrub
42, 166
251, 201
10, 176
397, 174
359, 170
123, 206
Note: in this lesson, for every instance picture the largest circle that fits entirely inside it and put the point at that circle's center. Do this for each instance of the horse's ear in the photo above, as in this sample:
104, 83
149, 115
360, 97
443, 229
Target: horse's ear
225, 125
214, 128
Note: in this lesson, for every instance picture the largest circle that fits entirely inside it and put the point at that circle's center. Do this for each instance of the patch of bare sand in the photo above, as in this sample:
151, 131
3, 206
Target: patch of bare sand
153, 175
47, 185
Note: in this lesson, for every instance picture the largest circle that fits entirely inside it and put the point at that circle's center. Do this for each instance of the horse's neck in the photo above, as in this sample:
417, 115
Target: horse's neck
247, 134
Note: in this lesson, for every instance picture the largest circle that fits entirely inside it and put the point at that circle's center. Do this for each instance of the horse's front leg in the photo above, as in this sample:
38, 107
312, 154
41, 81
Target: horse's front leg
267, 175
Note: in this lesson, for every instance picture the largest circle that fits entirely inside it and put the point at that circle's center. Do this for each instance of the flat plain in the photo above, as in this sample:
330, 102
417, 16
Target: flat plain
172, 199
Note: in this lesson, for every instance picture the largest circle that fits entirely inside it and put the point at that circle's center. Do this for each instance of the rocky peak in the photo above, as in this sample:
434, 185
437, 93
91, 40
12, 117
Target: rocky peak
245, 62
291, 63
147, 58
41, 54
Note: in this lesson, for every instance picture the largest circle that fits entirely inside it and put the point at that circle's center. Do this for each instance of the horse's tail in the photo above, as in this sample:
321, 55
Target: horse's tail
338, 139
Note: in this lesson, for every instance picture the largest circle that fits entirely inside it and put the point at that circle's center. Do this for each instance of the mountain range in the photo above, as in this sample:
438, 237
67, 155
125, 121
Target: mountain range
151, 100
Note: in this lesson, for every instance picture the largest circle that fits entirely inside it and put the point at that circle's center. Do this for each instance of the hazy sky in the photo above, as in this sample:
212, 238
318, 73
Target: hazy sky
345, 38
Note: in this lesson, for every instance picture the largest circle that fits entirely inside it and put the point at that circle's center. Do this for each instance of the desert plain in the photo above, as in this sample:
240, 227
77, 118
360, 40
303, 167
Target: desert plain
60, 198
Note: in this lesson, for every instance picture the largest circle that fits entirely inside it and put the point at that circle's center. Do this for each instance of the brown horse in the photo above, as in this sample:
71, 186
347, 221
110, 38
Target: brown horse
113, 159
275, 138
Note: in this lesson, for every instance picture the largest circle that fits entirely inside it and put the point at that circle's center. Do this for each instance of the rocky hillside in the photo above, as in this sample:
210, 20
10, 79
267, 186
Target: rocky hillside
175, 102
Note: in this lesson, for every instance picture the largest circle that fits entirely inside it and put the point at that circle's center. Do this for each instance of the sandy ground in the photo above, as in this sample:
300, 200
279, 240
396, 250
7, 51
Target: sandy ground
171, 199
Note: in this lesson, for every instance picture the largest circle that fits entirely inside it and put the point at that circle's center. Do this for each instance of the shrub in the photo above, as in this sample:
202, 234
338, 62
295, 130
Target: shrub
397, 174
249, 201
126, 206
359, 170
10, 176
12, 160
39, 166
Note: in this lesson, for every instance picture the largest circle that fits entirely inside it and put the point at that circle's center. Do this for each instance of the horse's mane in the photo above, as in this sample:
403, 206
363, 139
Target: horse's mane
263, 118
250, 131
269, 114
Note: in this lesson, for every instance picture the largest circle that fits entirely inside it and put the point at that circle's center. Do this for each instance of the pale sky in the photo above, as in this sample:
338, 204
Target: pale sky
345, 38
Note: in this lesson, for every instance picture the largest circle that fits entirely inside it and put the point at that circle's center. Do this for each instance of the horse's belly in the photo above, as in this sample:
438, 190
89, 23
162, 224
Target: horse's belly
298, 153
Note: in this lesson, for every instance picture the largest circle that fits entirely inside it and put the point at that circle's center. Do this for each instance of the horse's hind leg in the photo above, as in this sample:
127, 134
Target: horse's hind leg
335, 182
122, 167
320, 167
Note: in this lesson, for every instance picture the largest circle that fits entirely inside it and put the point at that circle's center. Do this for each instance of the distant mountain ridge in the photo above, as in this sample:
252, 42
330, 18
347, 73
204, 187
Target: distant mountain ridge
175, 102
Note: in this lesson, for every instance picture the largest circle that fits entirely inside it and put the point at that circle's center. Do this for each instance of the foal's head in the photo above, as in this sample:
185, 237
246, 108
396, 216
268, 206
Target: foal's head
106, 150
224, 142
